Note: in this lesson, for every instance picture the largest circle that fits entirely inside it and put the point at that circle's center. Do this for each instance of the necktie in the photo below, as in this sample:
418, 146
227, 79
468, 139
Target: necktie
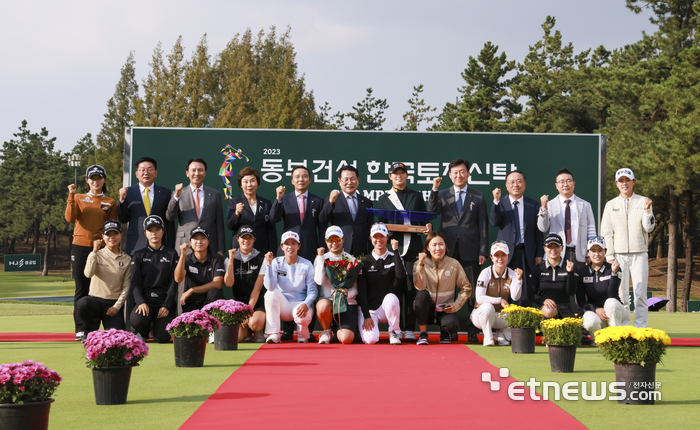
517, 222
196, 201
567, 221
302, 208
353, 206
459, 202
146, 202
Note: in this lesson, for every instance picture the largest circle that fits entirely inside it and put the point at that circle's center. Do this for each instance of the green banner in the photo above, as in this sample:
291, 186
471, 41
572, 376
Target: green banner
22, 262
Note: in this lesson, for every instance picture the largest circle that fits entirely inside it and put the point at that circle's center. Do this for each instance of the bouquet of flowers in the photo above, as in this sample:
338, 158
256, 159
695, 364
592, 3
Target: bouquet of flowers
114, 348
229, 311
565, 331
27, 382
342, 274
518, 316
624, 344
197, 323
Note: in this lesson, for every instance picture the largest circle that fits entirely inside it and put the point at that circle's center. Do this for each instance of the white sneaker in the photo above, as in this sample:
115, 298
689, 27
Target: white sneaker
408, 335
273, 338
394, 338
302, 340
325, 337
211, 337
488, 342
79, 335
501, 337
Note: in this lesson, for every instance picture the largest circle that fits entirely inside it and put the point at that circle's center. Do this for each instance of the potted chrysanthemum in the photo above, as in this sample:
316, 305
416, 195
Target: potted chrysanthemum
635, 352
25, 395
562, 336
523, 323
112, 354
190, 332
231, 314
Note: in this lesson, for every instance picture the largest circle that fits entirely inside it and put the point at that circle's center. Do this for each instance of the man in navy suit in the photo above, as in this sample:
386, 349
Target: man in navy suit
197, 206
348, 210
464, 223
141, 200
300, 211
516, 218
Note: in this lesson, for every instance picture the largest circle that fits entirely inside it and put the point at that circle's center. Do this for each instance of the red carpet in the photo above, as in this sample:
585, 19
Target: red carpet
310, 386
37, 337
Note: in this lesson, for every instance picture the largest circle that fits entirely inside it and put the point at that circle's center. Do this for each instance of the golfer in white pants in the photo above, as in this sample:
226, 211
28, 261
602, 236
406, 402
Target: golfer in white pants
627, 221
496, 284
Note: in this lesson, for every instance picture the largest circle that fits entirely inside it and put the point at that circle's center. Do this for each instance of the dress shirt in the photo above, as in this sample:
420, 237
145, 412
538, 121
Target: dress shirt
201, 198
521, 220
151, 196
574, 217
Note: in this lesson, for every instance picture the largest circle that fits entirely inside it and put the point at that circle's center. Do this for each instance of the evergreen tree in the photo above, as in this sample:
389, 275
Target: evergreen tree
369, 113
198, 87
418, 111
121, 109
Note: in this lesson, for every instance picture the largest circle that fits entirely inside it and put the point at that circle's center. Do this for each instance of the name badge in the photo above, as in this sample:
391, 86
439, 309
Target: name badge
479, 283
281, 273
154, 295
447, 273
389, 265
194, 270
588, 279
604, 278
563, 274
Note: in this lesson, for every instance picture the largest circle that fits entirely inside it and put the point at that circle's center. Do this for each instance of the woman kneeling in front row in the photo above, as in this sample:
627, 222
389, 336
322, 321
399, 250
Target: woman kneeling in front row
493, 288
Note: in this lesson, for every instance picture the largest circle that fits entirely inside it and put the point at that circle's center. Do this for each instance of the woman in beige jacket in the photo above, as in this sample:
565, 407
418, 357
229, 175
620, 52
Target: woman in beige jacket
435, 276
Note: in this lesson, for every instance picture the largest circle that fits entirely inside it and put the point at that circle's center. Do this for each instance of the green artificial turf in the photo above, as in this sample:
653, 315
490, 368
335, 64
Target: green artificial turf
32, 284
161, 396
680, 398
16, 308
38, 323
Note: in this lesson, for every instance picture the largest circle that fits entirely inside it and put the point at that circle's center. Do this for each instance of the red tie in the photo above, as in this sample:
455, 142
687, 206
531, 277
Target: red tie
196, 201
302, 208
567, 221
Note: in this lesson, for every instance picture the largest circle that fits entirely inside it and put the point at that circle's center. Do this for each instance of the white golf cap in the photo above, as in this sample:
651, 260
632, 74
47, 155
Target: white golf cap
334, 230
598, 240
379, 227
499, 246
624, 172
290, 235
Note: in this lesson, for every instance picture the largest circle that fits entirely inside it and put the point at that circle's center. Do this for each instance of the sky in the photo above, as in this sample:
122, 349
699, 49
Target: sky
61, 59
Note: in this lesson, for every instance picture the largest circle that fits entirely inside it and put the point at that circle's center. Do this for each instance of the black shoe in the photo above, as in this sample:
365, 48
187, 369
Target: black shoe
423, 338
445, 337
472, 338
585, 340
312, 338
287, 335
454, 337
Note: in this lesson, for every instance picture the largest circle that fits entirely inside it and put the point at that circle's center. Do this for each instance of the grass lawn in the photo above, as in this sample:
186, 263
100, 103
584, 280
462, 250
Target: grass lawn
162, 396
32, 284
680, 400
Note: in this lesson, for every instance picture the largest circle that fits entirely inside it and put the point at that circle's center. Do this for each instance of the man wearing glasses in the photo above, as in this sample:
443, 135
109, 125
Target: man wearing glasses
516, 218
569, 216
348, 210
142, 200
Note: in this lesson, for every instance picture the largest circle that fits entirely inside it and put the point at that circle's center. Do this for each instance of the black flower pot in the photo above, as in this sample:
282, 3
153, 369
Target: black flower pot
189, 351
111, 384
639, 382
226, 337
522, 340
562, 358
29, 416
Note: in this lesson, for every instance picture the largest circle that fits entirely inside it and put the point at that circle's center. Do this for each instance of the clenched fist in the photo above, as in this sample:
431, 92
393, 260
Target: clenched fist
334, 195
647, 203
496, 194
543, 201
72, 188
280, 192
122, 194
519, 274
569, 266
421, 257
436, 182
183, 248
178, 190
394, 244
321, 252
268, 257
239, 209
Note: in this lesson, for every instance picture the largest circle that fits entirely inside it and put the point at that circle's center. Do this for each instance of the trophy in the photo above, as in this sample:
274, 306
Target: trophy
401, 217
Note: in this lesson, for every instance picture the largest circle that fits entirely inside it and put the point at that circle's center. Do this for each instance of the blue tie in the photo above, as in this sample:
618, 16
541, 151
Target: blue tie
459, 202
353, 206
517, 222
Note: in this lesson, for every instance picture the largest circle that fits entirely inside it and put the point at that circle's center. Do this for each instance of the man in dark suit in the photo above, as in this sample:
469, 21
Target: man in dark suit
516, 218
141, 200
464, 223
399, 197
300, 211
348, 210
195, 206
